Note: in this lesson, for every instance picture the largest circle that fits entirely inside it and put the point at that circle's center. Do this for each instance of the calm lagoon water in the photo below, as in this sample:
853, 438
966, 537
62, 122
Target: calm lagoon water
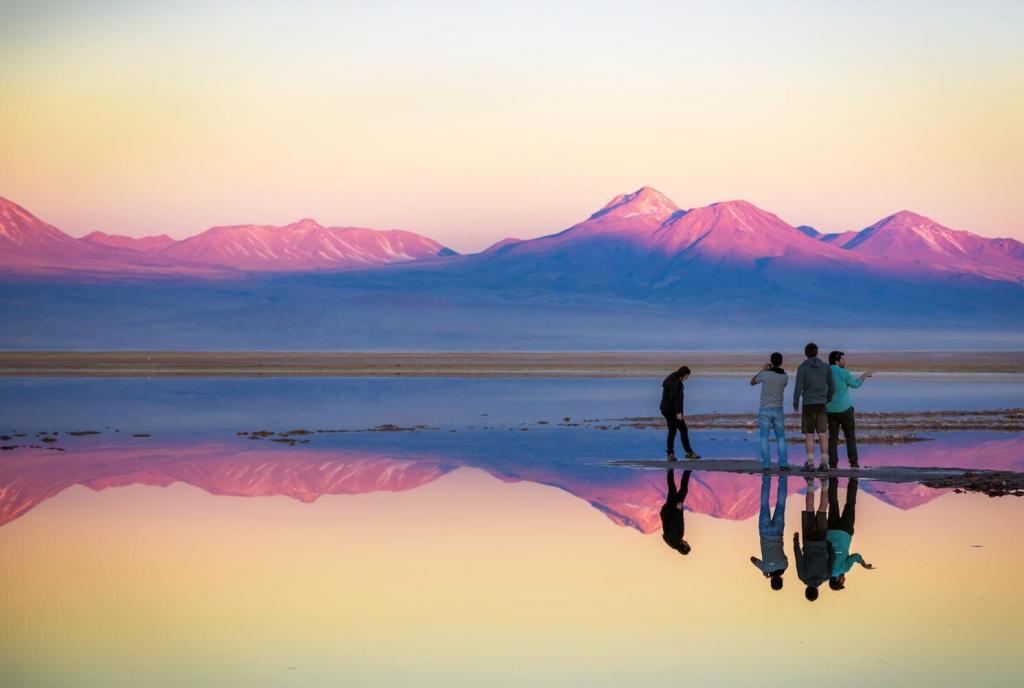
485, 548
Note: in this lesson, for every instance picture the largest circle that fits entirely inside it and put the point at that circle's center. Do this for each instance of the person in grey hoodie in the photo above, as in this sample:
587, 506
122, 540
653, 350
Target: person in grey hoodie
815, 384
815, 561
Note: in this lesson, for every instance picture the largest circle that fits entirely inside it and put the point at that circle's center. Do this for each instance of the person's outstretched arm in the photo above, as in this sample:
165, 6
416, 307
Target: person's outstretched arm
852, 381
798, 387
754, 380
798, 556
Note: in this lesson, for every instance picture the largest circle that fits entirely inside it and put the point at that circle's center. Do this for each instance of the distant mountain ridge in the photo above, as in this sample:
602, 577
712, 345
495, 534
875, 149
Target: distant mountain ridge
29, 244
146, 244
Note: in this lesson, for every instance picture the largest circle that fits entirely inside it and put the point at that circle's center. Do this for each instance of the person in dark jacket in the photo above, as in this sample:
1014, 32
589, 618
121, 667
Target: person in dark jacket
815, 384
672, 524
814, 562
673, 394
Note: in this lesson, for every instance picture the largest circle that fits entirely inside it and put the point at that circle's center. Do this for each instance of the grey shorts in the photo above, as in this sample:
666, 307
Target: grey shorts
814, 419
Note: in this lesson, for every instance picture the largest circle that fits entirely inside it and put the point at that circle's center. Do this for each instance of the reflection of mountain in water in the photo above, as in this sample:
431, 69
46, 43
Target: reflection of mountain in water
629, 498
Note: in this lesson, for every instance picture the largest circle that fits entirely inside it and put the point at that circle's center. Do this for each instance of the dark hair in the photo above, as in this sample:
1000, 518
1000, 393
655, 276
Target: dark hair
834, 356
681, 546
811, 350
683, 371
776, 359
777, 580
811, 593
835, 584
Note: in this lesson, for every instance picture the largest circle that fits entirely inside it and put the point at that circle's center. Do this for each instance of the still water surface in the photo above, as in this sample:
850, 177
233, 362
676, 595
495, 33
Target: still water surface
481, 549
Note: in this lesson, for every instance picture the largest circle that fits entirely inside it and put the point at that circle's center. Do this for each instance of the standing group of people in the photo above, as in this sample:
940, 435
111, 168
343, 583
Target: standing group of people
827, 409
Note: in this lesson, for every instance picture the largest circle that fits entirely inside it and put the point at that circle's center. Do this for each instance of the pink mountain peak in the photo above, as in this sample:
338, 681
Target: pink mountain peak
912, 233
643, 201
305, 223
737, 230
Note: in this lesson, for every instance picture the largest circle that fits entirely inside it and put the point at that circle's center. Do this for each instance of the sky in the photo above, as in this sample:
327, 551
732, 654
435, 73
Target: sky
470, 122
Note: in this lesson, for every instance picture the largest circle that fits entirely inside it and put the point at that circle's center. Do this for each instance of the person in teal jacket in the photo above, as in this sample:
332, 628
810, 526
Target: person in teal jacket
840, 410
840, 533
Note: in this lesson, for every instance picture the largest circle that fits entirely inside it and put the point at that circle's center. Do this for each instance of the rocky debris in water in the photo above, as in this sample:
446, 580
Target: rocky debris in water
141, 434
5, 438
992, 483
49, 440
82, 433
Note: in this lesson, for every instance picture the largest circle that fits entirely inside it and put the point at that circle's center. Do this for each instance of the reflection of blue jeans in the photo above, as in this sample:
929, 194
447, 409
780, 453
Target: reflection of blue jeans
768, 418
768, 524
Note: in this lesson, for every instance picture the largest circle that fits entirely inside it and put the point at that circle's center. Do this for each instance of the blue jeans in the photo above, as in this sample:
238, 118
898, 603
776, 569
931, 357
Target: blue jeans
768, 418
769, 524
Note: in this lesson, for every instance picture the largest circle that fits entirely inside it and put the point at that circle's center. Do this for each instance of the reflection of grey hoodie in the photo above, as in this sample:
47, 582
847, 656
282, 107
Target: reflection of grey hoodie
814, 382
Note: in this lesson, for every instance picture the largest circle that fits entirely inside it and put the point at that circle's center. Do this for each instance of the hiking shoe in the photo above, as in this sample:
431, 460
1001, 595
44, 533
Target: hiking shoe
692, 455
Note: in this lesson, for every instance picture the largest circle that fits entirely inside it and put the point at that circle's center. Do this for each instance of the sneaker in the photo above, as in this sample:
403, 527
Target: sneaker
692, 455
823, 466
854, 466
784, 469
809, 466
670, 456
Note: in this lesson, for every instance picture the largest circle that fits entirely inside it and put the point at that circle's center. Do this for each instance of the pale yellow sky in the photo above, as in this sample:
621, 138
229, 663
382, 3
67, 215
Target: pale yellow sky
470, 122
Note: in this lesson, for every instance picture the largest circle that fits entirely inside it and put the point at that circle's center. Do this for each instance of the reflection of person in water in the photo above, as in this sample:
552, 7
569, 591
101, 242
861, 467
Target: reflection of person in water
840, 532
771, 527
672, 524
814, 562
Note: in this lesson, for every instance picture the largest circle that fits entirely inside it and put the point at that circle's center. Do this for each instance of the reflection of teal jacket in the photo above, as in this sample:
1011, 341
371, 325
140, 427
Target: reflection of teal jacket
844, 561
844, 381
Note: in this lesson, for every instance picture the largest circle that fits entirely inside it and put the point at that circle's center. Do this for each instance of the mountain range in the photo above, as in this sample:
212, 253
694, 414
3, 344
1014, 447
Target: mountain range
640, 259
645, 222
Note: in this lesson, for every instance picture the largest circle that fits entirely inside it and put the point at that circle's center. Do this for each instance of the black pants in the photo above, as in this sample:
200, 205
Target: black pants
675, 424
846, 519
836, 421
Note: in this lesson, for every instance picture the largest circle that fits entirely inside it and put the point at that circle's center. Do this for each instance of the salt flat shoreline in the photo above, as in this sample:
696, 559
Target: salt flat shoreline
990, 364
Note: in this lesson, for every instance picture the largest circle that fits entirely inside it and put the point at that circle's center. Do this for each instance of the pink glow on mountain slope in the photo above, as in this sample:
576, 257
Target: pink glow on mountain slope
302, 245
147, 244
911, 238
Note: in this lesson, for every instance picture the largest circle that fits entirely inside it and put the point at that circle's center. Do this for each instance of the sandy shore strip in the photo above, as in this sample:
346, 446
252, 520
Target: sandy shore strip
472, 364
